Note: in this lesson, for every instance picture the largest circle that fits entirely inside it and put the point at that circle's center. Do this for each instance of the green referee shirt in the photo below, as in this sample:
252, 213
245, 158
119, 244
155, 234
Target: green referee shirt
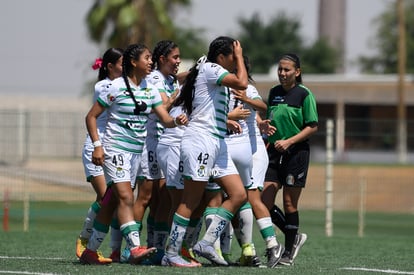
291, 111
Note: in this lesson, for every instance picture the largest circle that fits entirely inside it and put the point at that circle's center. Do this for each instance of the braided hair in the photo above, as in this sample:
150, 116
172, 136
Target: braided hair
221, 45
132, 52
163, 48
110, 56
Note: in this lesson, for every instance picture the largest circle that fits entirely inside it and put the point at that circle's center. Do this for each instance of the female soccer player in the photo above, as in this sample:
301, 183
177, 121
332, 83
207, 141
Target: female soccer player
110, 67
128, 100
203, 150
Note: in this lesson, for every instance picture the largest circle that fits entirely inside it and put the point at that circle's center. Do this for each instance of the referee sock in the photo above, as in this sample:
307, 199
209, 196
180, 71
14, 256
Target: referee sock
292, 226
278, 218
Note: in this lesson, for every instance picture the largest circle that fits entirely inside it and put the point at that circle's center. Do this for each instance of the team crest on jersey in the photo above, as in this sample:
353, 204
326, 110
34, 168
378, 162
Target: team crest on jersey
98, 168
119, 172
148, 92
110, 97
201, 172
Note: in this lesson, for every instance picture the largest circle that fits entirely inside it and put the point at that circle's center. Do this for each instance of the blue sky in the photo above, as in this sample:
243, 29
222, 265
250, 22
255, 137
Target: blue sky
45, 50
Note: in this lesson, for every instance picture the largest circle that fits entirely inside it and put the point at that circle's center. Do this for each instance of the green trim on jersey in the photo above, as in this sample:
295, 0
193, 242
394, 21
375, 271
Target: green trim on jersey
220, 79
103, 104
290, 111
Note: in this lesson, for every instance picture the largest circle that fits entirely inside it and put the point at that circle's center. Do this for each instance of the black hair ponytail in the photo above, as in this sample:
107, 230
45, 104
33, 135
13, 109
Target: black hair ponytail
133, 52
186, 95
110, 56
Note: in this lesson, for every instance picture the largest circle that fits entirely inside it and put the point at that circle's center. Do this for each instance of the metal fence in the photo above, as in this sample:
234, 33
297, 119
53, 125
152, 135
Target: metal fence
34, 134
37, 134
40, 159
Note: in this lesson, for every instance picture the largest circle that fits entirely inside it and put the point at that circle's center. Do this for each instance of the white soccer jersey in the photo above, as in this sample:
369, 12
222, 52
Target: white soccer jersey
90, 168
149, 167
239, 145
126, 130
166, 85
203, 149
233, 103
210, 103
173, 136
253, 129
260, 157
100, 87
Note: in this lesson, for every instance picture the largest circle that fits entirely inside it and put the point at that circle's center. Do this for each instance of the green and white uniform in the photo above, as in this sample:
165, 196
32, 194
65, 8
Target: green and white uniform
239, 145
259, 154
126, 131
92, 170
149, 167
203, 149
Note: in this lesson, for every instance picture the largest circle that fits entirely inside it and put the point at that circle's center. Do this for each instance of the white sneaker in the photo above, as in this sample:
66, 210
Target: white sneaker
208, 252
177, 261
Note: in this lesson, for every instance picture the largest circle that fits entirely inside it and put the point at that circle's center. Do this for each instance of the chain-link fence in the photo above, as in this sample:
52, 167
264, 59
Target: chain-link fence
40, 159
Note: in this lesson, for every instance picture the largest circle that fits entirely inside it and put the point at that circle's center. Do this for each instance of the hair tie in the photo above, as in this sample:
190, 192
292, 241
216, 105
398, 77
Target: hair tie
200, 62
98, 64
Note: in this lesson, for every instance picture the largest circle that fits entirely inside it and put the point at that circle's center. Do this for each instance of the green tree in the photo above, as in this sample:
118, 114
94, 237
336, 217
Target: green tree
385, 41
118, 23
264, 44
191, 43
320, 58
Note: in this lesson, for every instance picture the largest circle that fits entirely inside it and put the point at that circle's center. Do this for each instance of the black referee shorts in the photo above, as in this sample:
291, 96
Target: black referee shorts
289, 168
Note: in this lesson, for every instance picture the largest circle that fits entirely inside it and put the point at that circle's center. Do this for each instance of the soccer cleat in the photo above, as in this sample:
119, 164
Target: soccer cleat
247, 255
93, 258
227, 258
125, 255
299, 241
116, 256
274, 254
208, 252
81, 244
189, 255
155, 258
288, 258
177, 261
139, 253
256, 261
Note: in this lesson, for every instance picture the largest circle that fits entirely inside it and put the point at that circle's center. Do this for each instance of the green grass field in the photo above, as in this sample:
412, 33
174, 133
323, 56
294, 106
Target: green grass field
49, 245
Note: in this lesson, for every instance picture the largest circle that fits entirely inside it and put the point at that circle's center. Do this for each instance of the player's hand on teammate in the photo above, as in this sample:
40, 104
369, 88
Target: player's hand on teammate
234, 126
182, 119
239, 113
240, 95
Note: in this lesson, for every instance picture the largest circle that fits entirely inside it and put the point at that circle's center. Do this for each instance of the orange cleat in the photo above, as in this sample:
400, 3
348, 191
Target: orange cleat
93, 258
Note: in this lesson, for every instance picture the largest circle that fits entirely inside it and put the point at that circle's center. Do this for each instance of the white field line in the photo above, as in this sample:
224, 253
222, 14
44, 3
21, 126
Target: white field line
387, 271
24, 272
30, 258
